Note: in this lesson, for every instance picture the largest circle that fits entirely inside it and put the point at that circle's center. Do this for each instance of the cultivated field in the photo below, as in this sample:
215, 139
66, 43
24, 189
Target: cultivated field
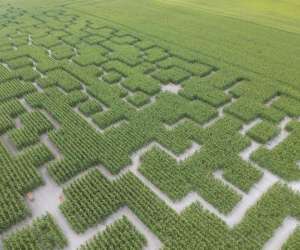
149, 125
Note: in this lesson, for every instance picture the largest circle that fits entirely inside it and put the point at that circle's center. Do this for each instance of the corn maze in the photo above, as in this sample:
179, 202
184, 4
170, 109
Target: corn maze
111, 140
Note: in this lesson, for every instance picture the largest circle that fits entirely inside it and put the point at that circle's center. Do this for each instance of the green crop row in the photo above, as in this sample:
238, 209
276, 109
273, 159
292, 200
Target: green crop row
139, 99
112, 77
61, 52
93, 39
5, 74
90, 55
19, 63
64, 80
123, 52
171, 75
155, 54
95, 188
263, 132
12, 207
120, 235
14, 89
42, 234
8, 111
23, 137
282, 160
86, 74
18, 176
90, 107
34, 124
77, 97
196, 68
27, 74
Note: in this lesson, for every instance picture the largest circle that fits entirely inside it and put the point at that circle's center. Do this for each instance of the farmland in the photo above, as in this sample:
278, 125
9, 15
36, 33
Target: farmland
177, 127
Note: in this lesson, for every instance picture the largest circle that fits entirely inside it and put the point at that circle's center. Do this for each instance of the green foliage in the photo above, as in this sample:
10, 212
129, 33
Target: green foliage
27, 73
124, 39
64, 80
112, 77
194, 67
285, 154
143, 83
5, 74
90, 55
92, 187
293, 241
48, 41
23, 137
155, 54
93, 39
144, 44
33, 125
13, 209
76, 97
263, 132
178, 179
62, 52
120, 235
19, 63
85, 62
42, 234
8, 110
138, 99
199, 88
289, 105
124, 53
90, 107
171, 75
14, 89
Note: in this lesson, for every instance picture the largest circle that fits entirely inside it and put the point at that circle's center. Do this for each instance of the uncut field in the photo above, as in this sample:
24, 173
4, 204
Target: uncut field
141, 124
